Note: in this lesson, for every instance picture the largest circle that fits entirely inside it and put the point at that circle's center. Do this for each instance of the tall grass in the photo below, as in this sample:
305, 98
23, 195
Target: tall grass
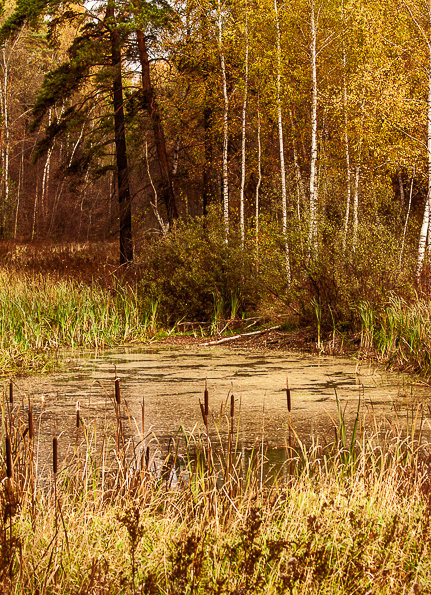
40, 313
110, 520
399, 333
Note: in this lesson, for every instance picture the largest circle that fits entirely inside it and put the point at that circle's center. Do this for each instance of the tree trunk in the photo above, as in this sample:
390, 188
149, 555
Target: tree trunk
243, 134
259, 177
20, 182
347, 151
407, 218
6, 141
166, 191
356, 207
225, 172
126, 242
426, 217
312, 239
281, 145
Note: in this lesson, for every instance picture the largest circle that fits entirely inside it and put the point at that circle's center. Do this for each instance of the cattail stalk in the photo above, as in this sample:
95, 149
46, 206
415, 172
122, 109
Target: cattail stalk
55, 455
230, 436
289, 409
206, 397
289, 401
9, 468
30, 422
117, 391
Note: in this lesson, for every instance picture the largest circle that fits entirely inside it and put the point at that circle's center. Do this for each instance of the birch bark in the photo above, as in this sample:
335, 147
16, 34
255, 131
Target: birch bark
356, 207
346, 148
6, 138
312, 238
259, 176
426, 217
225, 170
243, 132
281, 145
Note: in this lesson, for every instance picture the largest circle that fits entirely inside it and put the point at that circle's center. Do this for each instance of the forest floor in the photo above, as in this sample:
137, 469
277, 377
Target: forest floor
303, 339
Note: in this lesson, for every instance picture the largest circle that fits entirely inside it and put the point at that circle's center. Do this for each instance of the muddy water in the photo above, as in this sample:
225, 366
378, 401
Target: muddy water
171, 382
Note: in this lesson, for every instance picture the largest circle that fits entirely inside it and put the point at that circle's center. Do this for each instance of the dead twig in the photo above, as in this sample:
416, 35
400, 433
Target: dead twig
234, 337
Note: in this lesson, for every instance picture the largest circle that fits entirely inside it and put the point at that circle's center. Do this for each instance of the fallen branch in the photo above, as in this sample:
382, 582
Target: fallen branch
226, 339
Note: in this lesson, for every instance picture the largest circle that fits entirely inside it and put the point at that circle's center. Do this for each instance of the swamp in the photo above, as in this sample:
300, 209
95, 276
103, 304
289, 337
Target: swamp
215, 313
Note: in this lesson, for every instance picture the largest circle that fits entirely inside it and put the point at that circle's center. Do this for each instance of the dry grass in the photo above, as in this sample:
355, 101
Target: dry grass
342, 519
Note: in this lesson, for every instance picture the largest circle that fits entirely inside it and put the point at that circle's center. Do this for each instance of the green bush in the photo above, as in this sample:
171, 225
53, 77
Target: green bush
339, 280
192, 273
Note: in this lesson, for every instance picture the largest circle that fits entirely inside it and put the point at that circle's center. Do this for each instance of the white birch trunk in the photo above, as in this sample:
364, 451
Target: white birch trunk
6, 137
225, 171
20, 184
407, 218
45, 176
36, 196
347, 152
259, 177
356, 207
281, 145
312, 239
243, 137
426, 217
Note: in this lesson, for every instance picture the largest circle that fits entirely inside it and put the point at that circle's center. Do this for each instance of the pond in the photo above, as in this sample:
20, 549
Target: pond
171, 382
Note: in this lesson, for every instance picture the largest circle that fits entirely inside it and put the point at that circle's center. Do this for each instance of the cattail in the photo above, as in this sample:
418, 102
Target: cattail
117, 391
232, 406
143, 417
30, 422
8, 458
147, 457
204, 416
55, 455
11, 392
78, 414
289, 402
206, 397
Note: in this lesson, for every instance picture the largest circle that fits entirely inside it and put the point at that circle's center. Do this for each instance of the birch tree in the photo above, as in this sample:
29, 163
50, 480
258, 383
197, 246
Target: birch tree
225, 168
421, 17
314, 196
281, 143
243, 131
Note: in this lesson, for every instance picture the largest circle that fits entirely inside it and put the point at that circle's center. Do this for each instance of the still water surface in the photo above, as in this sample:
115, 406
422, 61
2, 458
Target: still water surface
171, 381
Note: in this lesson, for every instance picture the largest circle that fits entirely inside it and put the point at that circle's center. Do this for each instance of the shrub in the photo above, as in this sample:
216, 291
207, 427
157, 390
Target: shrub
192, 271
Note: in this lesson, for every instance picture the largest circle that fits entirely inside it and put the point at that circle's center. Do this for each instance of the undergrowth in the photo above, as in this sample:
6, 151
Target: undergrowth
75, 296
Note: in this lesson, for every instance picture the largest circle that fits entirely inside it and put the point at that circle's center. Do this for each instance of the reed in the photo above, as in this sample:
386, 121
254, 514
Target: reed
40, 313
399, 334
351, 516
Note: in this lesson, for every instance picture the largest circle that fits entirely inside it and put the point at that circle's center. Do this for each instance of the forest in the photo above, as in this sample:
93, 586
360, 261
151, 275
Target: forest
266, 155
179, 177
311, 116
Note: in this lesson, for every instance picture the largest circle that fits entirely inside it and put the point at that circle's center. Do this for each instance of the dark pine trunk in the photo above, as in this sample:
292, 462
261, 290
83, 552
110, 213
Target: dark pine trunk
166, 189
126, 242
